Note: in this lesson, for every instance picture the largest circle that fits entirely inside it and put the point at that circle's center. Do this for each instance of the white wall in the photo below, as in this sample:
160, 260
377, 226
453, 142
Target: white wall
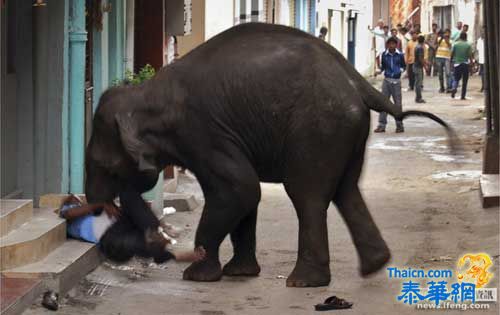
363, 59
219, 16
365, 56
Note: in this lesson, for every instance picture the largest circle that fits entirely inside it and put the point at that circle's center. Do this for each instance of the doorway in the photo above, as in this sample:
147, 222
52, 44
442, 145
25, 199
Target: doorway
8, 99
351, 38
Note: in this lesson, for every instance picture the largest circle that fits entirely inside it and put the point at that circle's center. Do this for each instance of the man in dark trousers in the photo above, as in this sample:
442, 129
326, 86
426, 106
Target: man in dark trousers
418, 69
393, 64
461, 56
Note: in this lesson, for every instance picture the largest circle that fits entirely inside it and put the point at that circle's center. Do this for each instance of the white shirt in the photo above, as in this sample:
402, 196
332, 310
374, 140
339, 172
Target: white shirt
480, 50
101, 224
380, 39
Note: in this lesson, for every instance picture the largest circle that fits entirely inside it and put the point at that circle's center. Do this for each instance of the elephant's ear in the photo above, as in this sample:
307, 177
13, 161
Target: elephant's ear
129, 135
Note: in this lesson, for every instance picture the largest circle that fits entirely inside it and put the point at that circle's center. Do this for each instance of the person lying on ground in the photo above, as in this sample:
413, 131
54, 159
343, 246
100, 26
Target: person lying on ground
116, 234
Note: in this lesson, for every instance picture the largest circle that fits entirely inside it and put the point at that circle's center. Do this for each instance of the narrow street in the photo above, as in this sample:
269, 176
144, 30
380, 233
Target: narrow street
425, 201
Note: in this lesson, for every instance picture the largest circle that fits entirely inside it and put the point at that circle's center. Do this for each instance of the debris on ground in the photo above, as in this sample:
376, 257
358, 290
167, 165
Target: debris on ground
50, 300
333, 303
458, 175
169, 210
440, 258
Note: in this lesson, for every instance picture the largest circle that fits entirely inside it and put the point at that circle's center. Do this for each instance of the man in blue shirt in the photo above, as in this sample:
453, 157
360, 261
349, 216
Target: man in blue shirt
393, 64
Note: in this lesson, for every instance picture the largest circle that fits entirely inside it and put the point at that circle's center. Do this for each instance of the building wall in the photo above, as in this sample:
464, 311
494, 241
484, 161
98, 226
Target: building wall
197, 36
333, 15
381, 11
219, 16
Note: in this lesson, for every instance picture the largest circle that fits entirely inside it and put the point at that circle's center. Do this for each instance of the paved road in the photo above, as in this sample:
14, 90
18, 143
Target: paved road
429, 217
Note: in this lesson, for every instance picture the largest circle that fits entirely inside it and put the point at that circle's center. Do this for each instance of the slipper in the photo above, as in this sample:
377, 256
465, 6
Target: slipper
333, 303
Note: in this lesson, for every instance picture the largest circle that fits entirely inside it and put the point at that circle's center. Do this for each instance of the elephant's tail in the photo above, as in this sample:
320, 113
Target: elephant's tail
378, 102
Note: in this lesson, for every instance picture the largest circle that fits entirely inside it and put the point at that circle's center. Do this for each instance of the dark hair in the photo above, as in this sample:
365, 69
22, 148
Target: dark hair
399, 25
392, 39
404, 29
421, 39
394, 29
434, 24
447, 30
463, 36
465, 25
385, 26
323, 30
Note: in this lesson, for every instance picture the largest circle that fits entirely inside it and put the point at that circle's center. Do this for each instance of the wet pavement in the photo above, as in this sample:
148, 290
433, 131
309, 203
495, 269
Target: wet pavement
425, 201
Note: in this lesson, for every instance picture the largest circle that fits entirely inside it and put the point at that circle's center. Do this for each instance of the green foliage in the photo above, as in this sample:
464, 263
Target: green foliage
146, 73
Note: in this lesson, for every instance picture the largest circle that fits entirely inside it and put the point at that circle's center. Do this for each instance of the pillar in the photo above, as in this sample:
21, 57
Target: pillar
77, 41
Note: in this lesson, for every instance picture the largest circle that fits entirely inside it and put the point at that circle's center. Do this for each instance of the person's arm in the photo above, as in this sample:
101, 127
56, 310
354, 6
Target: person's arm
381, 63
403, 63
196, 255
471, 55
81, 211
406, 52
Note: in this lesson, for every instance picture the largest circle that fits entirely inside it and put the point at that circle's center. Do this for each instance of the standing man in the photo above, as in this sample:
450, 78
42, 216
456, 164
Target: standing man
461, 54
410, 59
381, 33
395, 34
443, 61
480, 57
418, 68
393, 64
402, 38
322, 32
465, 28
456, 32
417, 29
431, 41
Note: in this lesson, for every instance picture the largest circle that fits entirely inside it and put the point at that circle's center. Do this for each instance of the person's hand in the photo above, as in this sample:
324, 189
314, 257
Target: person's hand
111, 210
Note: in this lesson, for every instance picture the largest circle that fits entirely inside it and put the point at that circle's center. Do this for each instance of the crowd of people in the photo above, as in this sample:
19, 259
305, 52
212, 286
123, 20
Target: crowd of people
406, 50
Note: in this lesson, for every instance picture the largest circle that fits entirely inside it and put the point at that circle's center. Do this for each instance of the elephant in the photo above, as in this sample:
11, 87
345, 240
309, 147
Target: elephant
256, 103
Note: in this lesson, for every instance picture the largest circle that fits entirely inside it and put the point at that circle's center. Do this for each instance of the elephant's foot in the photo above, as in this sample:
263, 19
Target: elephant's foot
247, 267
375, 262
205, 270
306, 275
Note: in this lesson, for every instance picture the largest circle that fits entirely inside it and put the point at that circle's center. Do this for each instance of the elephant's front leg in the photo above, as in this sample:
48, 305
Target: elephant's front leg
231, 197
210, 234
244, 261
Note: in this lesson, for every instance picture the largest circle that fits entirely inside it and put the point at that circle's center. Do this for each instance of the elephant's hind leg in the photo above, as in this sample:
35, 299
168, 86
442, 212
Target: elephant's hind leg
371, 247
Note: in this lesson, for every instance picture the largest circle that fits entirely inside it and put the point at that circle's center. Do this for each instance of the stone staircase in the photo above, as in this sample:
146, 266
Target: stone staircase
35, 254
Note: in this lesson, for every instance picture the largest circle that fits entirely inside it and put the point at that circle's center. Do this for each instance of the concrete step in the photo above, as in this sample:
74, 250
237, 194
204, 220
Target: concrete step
13, 213
55, 200
18, 294
33, 240
63, 268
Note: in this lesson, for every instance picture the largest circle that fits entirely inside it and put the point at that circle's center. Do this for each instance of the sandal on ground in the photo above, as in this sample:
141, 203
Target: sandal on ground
333, 303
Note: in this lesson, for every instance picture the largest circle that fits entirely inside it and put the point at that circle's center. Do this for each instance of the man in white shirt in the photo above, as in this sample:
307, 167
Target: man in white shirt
480, 58
455, 34
381, 33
